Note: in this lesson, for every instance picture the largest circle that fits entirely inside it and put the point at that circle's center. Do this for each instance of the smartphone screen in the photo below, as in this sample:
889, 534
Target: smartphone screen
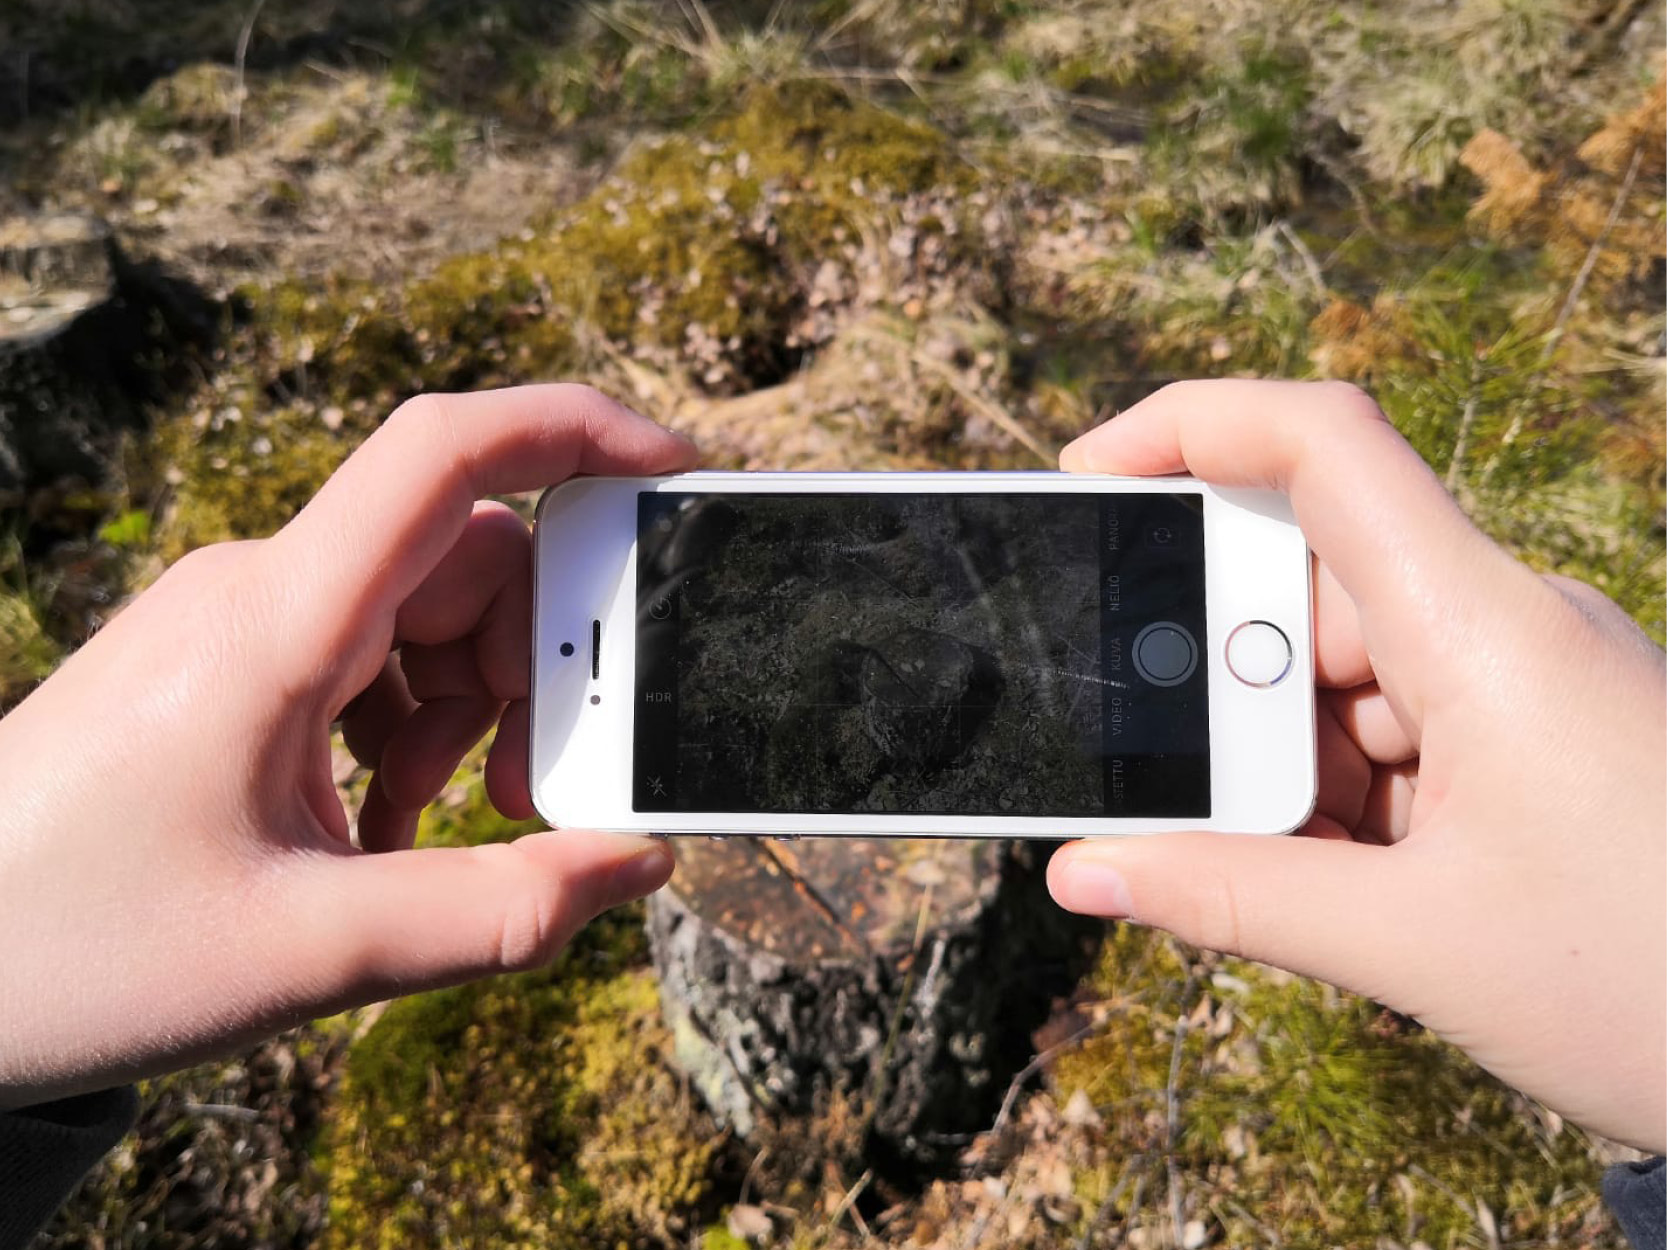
978, 654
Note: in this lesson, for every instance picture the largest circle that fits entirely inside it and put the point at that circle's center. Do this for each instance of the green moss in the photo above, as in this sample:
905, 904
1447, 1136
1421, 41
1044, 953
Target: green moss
718, 1237
700, 249
242, 472
713, 241
27, 653
528, 1110
1315, 1112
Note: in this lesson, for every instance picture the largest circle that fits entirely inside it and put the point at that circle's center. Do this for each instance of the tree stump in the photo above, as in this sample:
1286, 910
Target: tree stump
902, 977
87, 340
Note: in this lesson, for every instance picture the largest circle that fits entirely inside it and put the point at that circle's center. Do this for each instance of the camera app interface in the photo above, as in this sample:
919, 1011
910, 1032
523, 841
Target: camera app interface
930, 654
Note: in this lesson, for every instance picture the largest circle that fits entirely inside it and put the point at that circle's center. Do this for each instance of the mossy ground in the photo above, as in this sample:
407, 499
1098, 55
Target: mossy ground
1269, 1102
875, 235
529, 1110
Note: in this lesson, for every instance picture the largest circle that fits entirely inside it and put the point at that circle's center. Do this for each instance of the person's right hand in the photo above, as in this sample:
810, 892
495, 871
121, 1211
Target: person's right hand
1489, 851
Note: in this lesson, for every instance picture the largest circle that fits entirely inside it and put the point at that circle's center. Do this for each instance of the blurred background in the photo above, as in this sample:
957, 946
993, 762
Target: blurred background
841, 233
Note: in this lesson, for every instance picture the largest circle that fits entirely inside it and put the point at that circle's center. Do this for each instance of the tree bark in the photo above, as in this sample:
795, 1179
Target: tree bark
87, 340
901, 978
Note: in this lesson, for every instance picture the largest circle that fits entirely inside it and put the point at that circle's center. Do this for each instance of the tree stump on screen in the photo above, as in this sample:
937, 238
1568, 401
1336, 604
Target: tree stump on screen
900, 979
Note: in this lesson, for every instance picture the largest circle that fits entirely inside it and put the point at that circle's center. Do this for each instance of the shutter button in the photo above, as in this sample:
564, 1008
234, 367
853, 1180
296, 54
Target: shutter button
1165, 654
1259, 654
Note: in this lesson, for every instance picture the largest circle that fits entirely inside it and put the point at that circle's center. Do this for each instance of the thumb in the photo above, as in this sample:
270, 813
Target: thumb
1330, 909
380, 925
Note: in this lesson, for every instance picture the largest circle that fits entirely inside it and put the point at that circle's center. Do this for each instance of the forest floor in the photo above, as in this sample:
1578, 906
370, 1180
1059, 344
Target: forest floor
857, 234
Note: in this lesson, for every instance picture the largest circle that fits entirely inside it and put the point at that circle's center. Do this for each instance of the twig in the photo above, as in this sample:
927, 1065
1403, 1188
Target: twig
243, 37
1270, 1235
1467, 419
1315, 276
707, 26
1558, 327
1172, 1112
993, 411
1107, 1203
851, 1195
1108, 156
752, 1170
878, 1092
1134, 1209
1609, 29
221, 1111
1362, 205
1032, 1068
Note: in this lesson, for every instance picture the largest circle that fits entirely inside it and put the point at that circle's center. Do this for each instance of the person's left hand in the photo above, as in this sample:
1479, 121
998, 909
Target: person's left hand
176, 872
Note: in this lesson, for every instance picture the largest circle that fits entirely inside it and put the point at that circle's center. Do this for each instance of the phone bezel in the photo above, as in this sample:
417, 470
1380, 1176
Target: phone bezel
1263, 776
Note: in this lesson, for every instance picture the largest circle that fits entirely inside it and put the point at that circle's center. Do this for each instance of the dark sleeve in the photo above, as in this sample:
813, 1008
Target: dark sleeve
45, 1151
1637, 1194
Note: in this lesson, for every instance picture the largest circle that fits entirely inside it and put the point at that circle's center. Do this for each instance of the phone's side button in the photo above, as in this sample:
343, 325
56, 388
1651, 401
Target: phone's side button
1259, 654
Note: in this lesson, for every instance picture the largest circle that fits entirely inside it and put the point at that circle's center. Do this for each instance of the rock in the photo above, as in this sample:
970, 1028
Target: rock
88, 339
904, 977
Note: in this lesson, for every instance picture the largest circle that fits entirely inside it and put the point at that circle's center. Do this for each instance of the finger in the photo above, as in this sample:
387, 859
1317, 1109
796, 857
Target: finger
1597, 606
1340, 658
1319, 906
503, 640
1371, 509
387, 517
426, 750
1372, 722
1326, 829
1345, 775
1602, 611
447, 670
376, 713
506, 764
493, 550
1386, 815
421, 919
383, 827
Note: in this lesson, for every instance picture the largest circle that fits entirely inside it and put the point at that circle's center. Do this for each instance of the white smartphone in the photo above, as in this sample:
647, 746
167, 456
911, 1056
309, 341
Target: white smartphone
1030, 655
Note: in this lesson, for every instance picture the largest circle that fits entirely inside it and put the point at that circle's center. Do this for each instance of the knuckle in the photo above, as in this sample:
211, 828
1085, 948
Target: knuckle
1213, 920
531, 931
430, 424
421, 412
1352, 401
202, 568
1585, 598
579, 393
525, 938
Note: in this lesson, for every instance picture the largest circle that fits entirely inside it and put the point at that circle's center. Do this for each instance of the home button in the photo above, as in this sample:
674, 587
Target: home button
1259, 654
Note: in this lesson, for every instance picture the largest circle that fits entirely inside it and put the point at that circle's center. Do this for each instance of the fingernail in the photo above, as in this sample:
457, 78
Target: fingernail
1087, 453
1090, 888
643, 873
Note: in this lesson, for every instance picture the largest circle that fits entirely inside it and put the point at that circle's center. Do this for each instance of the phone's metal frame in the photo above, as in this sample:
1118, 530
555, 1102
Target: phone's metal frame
1263, 776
